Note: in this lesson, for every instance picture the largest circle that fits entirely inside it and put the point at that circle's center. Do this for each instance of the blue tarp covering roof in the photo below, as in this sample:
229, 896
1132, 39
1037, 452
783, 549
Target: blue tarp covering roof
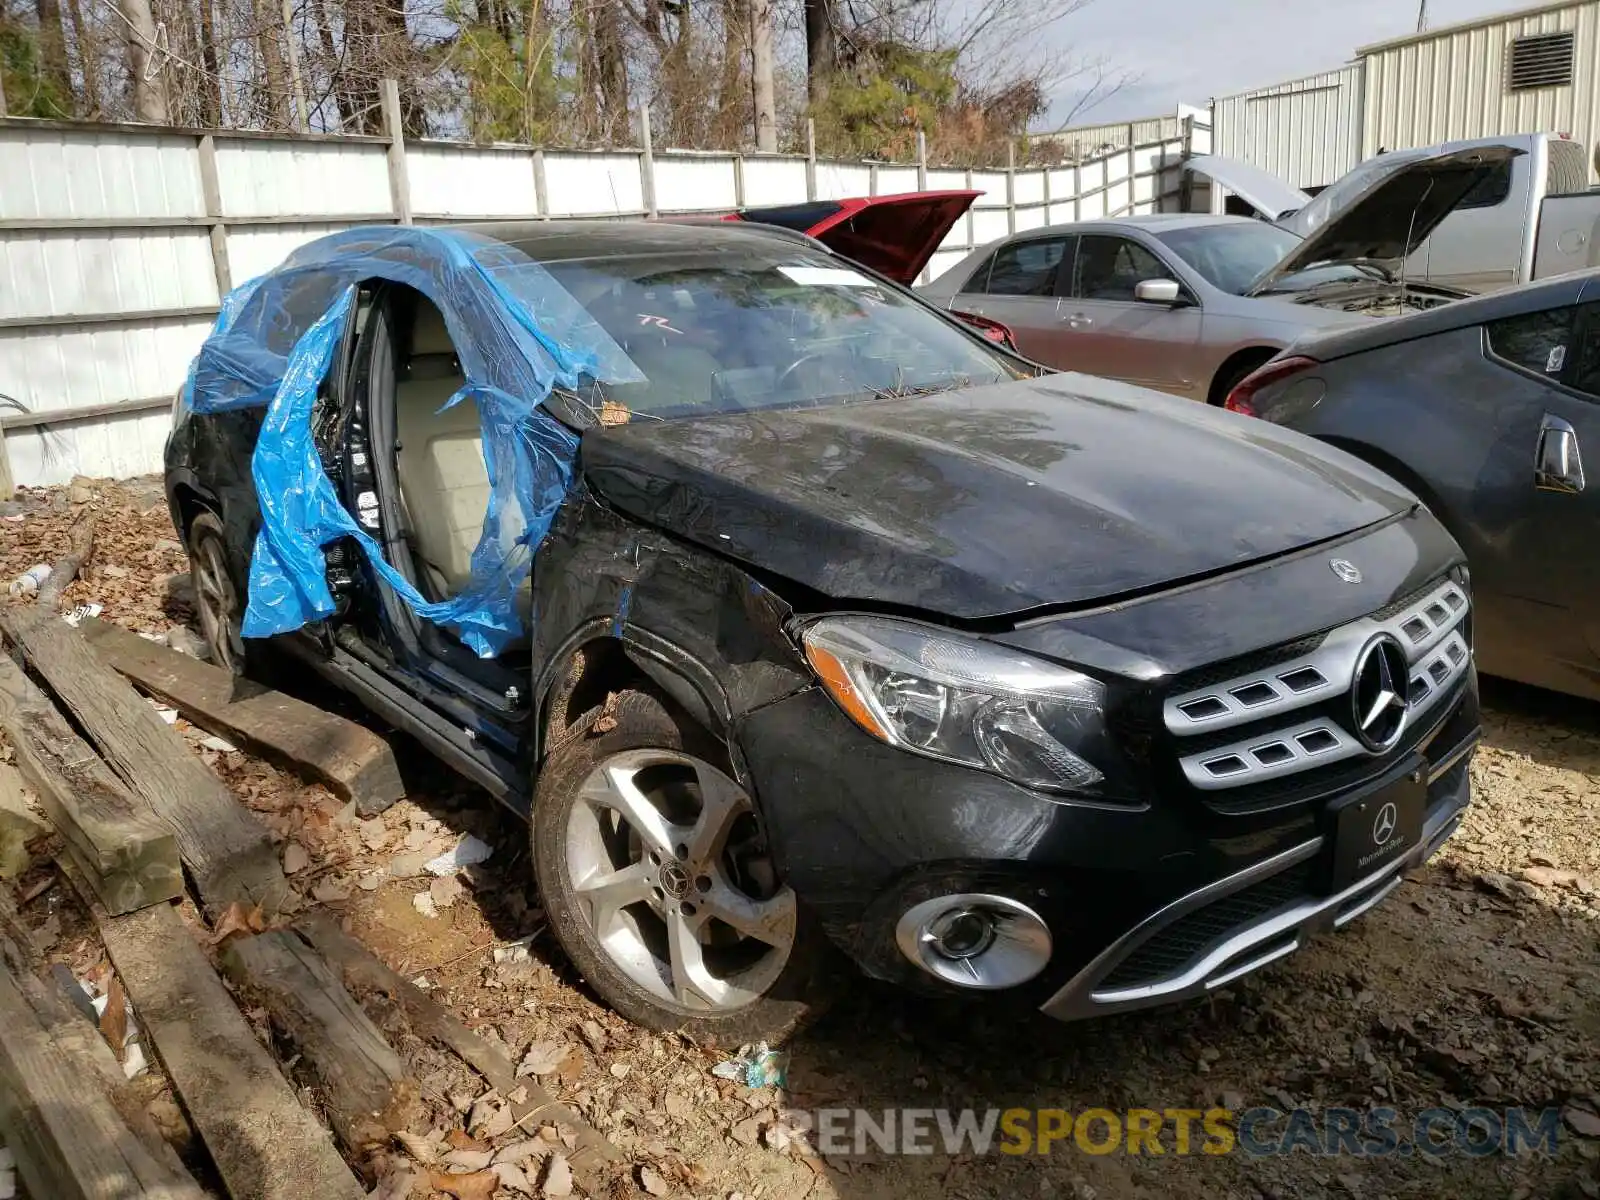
517, 334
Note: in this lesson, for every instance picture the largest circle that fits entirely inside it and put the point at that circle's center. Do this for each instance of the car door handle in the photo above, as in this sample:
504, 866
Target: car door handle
1079, 321
1559, 462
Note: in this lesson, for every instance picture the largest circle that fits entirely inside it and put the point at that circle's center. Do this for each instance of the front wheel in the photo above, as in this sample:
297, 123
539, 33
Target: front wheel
657, 882
217, 601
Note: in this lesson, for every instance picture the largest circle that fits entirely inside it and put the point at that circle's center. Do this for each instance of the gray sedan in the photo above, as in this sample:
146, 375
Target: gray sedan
1488, 410
1191, 304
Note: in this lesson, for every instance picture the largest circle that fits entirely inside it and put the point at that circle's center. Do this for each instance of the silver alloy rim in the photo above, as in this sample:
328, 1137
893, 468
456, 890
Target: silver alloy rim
218, 605
661, 853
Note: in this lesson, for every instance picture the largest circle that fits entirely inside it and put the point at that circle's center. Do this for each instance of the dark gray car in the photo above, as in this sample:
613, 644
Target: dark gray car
1486, 409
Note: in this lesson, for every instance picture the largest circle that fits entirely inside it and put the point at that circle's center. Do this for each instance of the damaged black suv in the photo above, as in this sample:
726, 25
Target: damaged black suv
800, 619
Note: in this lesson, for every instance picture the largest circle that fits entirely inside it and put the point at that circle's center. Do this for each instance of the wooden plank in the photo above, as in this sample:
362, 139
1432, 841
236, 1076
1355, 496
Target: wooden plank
225, 848
56, 1111
364, 974
265, 1145
76, 1033
127, 856
359, 1077
82, 412
353, 761
8, 486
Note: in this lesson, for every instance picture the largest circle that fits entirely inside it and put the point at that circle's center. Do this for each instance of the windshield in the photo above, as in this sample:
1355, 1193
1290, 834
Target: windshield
1231, 257
735, 328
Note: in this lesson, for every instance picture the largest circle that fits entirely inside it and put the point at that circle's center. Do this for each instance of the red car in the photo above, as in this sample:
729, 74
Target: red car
893, 235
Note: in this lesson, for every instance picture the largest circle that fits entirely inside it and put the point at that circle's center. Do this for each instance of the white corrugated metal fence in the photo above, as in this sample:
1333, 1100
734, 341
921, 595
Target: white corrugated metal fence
116, 242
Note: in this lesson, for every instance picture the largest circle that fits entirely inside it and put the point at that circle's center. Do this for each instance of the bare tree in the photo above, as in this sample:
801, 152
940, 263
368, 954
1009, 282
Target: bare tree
144, 61
822, 45
761, 74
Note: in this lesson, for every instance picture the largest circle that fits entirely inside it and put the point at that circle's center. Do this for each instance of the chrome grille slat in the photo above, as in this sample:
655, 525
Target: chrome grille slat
1437, 655
1334, 660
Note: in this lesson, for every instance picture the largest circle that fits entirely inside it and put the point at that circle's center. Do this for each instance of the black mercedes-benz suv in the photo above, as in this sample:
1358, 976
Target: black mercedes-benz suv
804, 620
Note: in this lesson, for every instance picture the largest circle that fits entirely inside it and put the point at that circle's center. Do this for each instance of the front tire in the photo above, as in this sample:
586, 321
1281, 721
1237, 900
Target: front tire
216, 598
657, 883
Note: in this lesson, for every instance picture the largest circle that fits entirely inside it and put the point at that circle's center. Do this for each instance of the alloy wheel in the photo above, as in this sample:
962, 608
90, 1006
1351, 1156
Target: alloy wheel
217, 602
668, 867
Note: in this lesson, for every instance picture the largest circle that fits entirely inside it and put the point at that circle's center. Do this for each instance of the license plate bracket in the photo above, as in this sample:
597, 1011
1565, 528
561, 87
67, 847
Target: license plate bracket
1377, 827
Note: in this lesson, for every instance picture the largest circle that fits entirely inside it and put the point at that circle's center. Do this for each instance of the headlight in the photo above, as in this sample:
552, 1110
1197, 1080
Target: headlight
965, 701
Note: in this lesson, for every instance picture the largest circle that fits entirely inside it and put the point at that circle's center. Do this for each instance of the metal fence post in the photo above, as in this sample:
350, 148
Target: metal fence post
872, 179
211, 189
811, 159
1011, 187
541, 194
1044, 182
972, 231
738, 180
647, 163
399, 179
922, 161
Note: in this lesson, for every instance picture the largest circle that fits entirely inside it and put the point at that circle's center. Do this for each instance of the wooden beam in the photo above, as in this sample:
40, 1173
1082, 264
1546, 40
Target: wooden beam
225, 848
83, 412
265, 1144
353, 761
8, 485
57, 1114
128, 857
360, 1079
76, 1033
364, 974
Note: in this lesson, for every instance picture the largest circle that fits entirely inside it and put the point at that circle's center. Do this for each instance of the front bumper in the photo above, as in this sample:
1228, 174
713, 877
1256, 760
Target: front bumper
1214, 935
1146, 904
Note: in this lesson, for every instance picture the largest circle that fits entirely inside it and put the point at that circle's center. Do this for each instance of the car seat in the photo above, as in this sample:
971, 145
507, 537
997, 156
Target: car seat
444, 484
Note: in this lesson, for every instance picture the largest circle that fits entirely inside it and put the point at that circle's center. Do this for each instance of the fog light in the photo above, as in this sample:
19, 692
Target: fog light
975, 941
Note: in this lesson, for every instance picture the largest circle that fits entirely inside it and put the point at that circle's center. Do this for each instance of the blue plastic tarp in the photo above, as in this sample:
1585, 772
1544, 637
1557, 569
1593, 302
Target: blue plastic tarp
517, 334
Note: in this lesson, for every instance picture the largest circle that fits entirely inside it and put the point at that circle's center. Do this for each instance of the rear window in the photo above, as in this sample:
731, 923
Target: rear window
1026, 268
1536, 342
766, 328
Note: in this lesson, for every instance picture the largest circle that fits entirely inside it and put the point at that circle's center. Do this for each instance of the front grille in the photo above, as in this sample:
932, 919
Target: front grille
1169, 951
1282, 713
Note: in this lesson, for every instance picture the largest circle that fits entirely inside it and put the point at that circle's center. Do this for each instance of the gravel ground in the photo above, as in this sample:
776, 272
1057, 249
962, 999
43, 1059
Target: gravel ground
1477, 983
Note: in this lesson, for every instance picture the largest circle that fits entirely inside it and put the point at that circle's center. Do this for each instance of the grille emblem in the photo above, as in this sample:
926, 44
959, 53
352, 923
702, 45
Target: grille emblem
1345, 570
1383, 827
1378, 695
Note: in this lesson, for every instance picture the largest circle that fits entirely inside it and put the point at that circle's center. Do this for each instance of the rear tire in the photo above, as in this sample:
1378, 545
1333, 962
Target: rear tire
1231, 376
656, 882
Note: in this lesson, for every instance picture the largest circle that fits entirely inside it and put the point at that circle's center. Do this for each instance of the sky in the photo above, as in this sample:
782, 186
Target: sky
1192, 50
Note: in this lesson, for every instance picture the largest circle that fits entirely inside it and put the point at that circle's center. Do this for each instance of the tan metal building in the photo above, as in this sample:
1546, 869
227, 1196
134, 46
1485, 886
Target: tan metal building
1522, 72
1306, 131
1533, 70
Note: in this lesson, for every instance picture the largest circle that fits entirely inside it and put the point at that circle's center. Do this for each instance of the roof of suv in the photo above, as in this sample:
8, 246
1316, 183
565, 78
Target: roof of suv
556, 241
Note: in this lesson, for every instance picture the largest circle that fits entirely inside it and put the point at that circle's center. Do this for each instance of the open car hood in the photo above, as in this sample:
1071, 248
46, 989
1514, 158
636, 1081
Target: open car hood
893, 235
1383, 222
1262, 190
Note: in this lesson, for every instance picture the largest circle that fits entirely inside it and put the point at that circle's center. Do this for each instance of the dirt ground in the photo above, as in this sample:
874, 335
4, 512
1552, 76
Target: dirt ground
1476, 984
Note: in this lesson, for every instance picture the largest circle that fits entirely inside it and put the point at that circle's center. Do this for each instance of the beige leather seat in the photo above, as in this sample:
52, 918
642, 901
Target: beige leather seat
444, 484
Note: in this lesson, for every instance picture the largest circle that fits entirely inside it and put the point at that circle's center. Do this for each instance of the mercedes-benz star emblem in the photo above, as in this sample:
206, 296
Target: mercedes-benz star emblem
1345, 570
1378, 695
1383, 827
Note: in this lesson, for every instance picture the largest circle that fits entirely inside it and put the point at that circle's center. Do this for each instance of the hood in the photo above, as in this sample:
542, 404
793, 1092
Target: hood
1383, 216
1262, 190
893, 235
990, 501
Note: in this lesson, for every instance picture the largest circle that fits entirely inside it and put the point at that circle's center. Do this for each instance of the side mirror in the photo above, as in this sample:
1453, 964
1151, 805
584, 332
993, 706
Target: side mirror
1158, 291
